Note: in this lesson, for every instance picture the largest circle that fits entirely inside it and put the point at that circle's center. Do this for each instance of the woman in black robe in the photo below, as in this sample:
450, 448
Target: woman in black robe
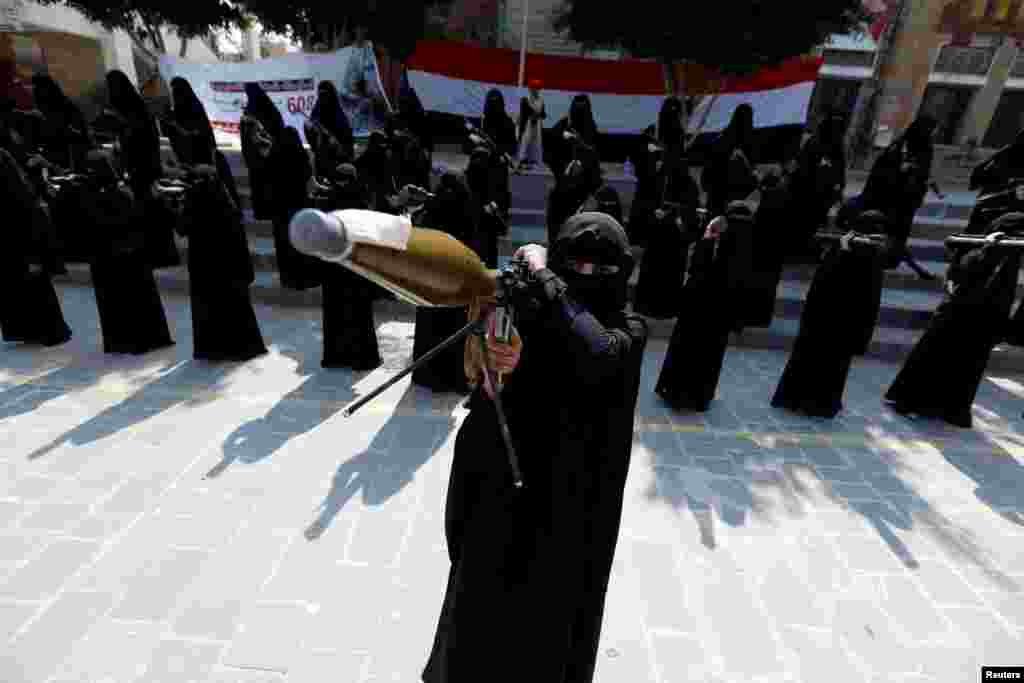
896, 186
530, 567
30, 311
192, 138
377, 172
220, 272
262, 126
730, 174
830, 328
713, 303
350, 330
671, 225
131, 313
329, 132
993, 175
941, 376
815, 183
484, 178
139, 143
451, 211
293, 171
576, 129
583, 180
410, 161
501, 129
65, 138
658, 143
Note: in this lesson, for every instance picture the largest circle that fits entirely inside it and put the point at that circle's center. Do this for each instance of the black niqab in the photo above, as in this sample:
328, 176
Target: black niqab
581, 118
189, 112
599, 239
670, 122
329, 114
259, 106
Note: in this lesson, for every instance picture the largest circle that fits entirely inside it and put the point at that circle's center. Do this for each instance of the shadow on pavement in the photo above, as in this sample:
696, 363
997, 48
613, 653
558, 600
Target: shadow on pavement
188, 383
318, 399
869, 462
403, 445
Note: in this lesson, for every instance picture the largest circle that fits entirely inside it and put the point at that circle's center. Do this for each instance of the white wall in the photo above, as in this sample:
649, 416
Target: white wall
117, 45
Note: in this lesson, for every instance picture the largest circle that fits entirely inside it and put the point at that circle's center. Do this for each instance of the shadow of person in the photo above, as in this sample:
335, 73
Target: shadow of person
404, 444
315, 401
189, 383
999, 478
60, 374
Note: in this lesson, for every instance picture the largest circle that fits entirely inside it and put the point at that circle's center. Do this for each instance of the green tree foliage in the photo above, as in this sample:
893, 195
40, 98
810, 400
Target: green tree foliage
146, 19
395, 25
732, 36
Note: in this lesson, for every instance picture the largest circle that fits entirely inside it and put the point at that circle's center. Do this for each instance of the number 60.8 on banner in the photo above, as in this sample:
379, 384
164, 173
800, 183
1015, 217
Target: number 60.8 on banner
300, 104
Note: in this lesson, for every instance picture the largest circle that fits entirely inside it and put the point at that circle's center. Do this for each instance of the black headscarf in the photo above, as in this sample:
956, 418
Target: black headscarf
125, 99
670, 122
52, 101
831, 132
494, 110
260, 107
918, 136
581, 118
189, 112
328, 113
594, 238
740, 132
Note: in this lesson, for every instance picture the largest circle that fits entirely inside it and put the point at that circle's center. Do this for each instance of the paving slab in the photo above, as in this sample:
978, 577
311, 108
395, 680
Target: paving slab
254, 535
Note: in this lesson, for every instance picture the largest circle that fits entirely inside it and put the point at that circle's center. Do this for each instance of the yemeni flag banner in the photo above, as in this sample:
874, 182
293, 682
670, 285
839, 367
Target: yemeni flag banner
780, 96
626, 95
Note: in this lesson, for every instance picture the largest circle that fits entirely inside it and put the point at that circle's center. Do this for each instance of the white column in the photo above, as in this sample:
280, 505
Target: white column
119, 53
522, 44
251, 45
983, 105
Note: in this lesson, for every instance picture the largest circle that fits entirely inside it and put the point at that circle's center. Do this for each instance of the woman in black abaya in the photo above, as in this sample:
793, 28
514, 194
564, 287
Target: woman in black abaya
896, 186
658, 143
451, 211
730, 174
30, 311
582, 183
941, 376
329, 132
292, 173
530, 567
132, 318
350, 330
816, 182
377, 172
833, 322
670, 228
712, 300
220, 272
139, 143
262, 127
65, 138
484, 179
192, 139
574, 130
501, 129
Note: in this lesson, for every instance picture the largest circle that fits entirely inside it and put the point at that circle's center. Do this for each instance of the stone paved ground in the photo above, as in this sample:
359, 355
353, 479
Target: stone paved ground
165, 520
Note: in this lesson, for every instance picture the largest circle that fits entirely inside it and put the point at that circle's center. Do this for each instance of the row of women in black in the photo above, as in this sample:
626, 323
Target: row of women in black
106, 213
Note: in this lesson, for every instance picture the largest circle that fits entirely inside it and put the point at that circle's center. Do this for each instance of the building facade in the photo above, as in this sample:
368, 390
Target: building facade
77, 53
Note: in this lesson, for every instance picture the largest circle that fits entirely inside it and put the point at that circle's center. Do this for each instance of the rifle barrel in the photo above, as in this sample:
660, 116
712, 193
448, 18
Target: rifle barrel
961, 240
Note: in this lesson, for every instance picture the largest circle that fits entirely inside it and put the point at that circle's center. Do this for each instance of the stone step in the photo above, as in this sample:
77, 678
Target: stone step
890, 344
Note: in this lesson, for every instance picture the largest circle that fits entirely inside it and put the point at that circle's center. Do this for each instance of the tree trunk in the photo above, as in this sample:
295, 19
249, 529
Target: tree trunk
184, 48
